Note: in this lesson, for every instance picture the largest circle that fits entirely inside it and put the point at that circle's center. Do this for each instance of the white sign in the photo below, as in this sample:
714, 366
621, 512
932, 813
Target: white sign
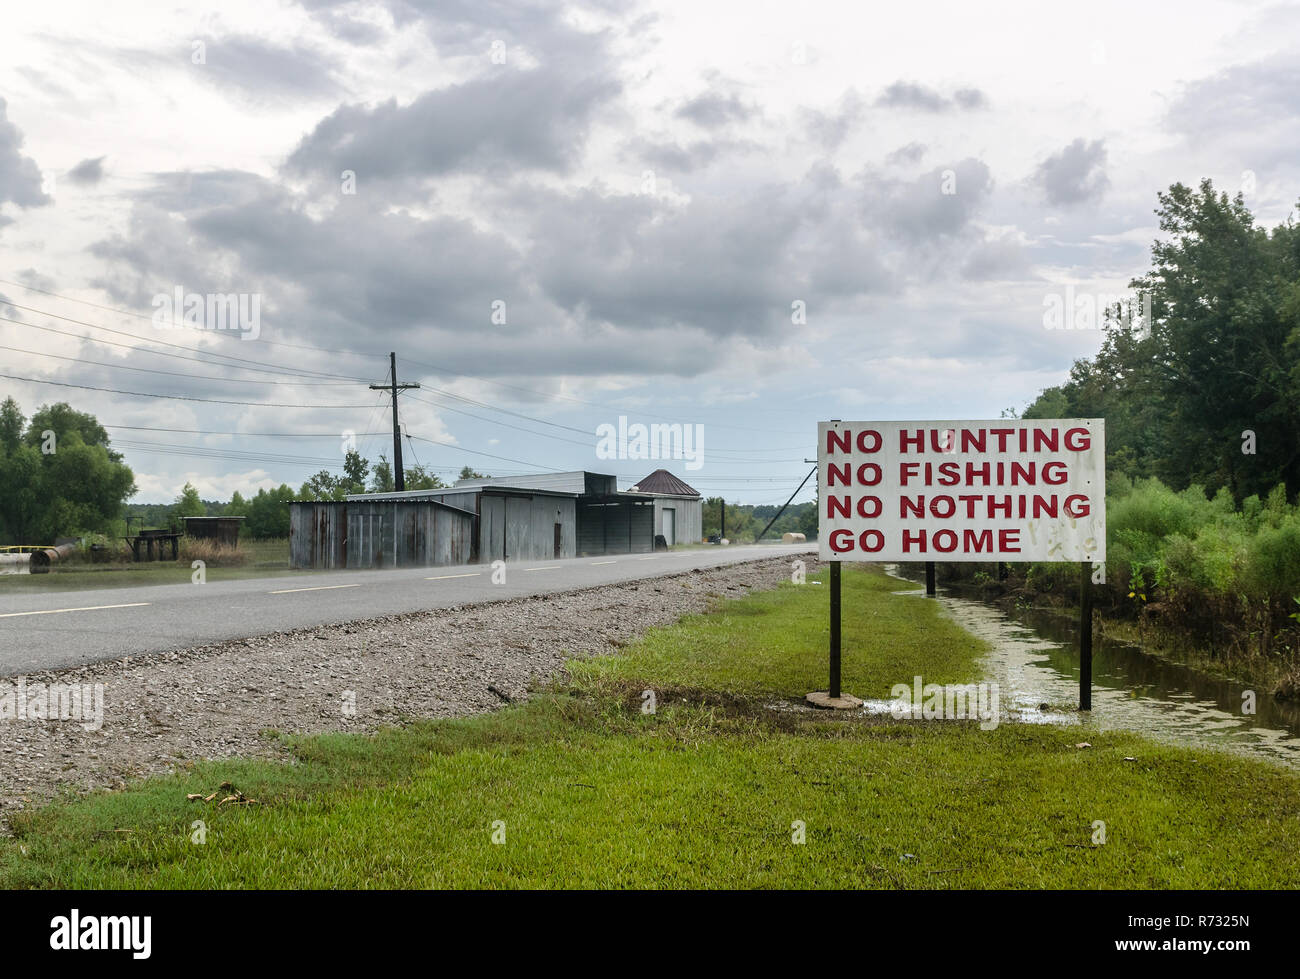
1008, 490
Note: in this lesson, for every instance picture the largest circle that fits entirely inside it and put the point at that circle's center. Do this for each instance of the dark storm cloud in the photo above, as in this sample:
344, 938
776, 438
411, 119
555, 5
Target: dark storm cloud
20, 178
911, 153
259, 68
936, 204
469, 27
356, 267
254, 69
508, 119
997, 259
673, 157
1254, 108
36, 280
713, 110
832, 127
353, 30
1074, 175
970, 99
88, 171
910, 95
715, 265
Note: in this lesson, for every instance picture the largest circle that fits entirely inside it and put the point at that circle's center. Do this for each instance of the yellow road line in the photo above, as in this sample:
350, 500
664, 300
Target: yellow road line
548, 567
443, 577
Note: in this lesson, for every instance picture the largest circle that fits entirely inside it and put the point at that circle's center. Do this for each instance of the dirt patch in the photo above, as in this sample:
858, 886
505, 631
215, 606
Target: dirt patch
220, 700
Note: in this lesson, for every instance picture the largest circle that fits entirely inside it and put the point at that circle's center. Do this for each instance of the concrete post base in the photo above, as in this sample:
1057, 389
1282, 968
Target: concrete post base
823, 699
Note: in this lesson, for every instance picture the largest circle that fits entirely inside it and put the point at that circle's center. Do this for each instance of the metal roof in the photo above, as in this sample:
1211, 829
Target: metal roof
663, 482
578, 482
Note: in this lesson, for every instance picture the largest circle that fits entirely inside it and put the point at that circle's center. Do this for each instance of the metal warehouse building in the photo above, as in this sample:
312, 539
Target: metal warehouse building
509, 518
679, 511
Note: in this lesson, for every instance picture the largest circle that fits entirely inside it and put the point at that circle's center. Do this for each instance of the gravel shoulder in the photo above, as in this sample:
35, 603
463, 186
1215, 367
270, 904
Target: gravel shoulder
222, 700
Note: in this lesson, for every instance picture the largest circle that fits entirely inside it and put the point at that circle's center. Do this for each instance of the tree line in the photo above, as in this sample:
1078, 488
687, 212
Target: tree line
60, 477
1207, 392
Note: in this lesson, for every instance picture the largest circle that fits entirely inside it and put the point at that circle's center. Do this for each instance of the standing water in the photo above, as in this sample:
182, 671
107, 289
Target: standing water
1034, 659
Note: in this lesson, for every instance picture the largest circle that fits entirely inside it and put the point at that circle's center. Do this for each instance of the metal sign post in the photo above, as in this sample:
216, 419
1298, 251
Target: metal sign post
835, 631
834, 696
1085, 637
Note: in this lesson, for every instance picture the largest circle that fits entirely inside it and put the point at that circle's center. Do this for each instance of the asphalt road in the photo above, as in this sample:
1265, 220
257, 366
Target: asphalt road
42, 631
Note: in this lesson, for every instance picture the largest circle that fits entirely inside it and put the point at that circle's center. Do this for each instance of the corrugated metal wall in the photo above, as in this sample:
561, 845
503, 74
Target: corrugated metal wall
689, 518
317, 535
615, 528
381, 534
521, 527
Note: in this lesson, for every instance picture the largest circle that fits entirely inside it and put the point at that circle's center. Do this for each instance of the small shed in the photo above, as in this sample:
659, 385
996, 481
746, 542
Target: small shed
678, 507
223, 530
379, 533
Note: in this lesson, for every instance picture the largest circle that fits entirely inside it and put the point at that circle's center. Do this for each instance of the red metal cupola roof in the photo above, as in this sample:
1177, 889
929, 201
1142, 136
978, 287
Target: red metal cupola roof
662, 481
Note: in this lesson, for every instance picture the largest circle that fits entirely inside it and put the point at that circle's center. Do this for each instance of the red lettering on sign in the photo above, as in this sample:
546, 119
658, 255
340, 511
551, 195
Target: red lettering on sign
862, 441
863, 480
862, 506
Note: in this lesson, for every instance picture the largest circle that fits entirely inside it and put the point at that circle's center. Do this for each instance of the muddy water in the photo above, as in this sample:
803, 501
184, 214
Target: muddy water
1034, 658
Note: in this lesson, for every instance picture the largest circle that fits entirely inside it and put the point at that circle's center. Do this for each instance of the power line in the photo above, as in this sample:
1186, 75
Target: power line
152, 353
434, 367
461, 448
175, 397
143, 316
198, 377
163, 343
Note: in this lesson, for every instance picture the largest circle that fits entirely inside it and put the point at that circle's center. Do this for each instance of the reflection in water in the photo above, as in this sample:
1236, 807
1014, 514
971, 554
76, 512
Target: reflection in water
1034, 657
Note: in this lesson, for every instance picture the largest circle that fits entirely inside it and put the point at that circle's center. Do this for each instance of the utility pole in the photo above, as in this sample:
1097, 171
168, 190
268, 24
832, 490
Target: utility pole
399, 480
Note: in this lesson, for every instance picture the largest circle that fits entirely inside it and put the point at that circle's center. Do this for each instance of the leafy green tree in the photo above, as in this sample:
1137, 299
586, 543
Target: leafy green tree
323, 486
188, 503
355, 469
467, 472
268, 513
237, 507
741, 523
71, 484
1222, 358
381, 479
11, 425
418, 478
63, 420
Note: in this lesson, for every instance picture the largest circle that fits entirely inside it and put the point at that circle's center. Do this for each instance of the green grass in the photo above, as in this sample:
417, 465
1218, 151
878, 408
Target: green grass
774, 644
704, 792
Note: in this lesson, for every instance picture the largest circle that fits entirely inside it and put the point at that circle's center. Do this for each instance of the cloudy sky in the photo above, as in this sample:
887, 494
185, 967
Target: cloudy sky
743, 216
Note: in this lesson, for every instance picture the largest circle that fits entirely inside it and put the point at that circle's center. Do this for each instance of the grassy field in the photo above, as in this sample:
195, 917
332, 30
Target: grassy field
263, 559
711, 790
